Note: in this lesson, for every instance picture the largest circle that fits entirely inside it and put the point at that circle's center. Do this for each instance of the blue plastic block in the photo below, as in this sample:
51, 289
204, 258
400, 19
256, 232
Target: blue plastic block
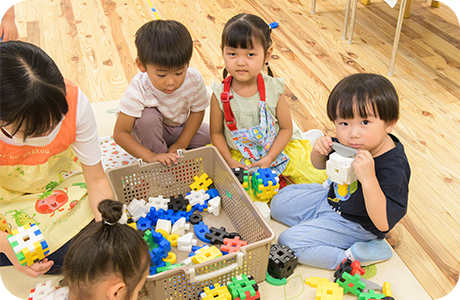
273, 25
212, 193
200, 231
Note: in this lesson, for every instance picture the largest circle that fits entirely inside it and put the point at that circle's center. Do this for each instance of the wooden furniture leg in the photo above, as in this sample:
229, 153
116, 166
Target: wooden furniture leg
313, 6
346, 21
402, 8
407, 10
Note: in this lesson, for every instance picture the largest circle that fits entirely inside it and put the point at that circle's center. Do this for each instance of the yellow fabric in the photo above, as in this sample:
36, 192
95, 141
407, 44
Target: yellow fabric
59, 178
299, 168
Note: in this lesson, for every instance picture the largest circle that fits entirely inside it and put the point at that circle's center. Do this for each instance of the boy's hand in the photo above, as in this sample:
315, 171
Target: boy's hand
364, 166
174, 147
234, 164
263, 163
165, 158
323, 146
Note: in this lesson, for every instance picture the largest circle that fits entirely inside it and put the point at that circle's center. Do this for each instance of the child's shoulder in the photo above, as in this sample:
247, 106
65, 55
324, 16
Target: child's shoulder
193, 74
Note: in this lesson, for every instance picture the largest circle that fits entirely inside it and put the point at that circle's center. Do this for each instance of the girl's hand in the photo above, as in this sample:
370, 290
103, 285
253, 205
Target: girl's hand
364, 166
165, 158
234, 164
174, 147
263, 163
323, 146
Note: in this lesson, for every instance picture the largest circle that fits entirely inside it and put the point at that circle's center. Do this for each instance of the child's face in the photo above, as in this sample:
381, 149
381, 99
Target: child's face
245, 64
369, 133
163, 79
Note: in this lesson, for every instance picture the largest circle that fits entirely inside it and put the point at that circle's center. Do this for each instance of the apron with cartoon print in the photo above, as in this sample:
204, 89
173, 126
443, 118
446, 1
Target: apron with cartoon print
255, 142
45, 185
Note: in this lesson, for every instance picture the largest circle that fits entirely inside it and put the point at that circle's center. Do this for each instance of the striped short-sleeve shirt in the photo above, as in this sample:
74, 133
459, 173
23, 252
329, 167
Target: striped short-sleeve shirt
192, 96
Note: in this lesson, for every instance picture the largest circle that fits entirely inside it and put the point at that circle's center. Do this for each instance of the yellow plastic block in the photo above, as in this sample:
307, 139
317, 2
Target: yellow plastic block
314, 281
387, 289
329, 291
171, 258
206, 254
218, 293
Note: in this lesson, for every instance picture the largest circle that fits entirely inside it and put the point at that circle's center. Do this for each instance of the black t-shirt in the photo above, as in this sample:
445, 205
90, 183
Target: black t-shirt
393, 173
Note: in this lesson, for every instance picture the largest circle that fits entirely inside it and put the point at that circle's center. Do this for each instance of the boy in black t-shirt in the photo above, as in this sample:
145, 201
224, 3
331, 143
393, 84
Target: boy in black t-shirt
330, 224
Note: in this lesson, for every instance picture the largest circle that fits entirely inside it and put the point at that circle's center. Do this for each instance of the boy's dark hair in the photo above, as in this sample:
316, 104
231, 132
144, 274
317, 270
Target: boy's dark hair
32, 89
101, 249
243, 30
361, 92
164, 43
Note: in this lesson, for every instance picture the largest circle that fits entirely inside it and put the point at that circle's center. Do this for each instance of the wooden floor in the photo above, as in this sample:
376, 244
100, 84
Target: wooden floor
92, 43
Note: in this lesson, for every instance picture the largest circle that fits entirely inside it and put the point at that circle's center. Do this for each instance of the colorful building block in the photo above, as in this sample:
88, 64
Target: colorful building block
282, 261
216, 292
217, 235
137, 209
240, 173
214, 205
243, 287
180, 226
158, 202
197, 197
329, 291
351, 267
177, 203
339, 169
265, 183
387, 289
28, 244
351, 284
185, 242
315, 281
201, 183
163, 225
200, 230
213, 193
41, 291
370, 295
232, 245
205, 254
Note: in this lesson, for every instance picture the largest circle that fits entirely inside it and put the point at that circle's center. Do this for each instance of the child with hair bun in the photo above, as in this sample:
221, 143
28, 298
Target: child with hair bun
107, 260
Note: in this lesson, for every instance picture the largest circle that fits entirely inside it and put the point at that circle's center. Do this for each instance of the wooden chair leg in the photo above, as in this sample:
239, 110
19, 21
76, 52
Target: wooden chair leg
407, 10
313, 6
435, 3
346, 21
397, 36
353, 18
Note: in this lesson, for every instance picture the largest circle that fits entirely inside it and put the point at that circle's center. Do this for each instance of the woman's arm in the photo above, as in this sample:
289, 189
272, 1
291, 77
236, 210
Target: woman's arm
98, 186
8, 29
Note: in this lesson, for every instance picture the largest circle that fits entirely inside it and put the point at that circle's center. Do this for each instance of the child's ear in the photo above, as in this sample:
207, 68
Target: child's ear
269, 54
140, 65
117, 291
390, 126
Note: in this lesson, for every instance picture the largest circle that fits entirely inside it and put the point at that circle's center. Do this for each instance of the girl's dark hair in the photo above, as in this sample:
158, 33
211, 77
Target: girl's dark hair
243, 30
32, 89
100, 250
359, 92
164, 43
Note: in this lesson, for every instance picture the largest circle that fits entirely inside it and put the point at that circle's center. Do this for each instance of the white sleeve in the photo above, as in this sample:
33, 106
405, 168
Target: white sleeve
86, 146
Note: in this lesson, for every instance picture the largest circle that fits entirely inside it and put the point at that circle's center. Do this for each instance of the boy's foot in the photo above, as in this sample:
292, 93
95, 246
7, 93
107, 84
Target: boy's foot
368, 253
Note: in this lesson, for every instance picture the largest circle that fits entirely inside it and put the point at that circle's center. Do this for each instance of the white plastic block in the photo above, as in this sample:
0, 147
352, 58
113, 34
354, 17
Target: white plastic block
340, 169
264, 210
137, 209
196, 197
158, 202
185, 242
180, 227
164, 225
214, 206
41, 291
187, 262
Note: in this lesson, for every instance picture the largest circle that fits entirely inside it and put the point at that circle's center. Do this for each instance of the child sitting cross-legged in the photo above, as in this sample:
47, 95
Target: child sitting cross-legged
332, 223
107, 260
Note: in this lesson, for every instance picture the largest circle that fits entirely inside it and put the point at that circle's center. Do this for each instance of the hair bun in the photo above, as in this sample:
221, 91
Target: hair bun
110, 210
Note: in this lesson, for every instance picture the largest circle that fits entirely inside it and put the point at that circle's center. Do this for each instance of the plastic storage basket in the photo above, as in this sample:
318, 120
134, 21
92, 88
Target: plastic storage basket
142, 181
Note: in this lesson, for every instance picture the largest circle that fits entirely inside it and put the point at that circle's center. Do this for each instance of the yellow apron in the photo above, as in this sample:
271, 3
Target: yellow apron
45, 185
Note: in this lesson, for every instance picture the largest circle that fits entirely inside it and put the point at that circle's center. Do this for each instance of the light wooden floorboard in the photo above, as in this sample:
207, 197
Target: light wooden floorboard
92, 42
